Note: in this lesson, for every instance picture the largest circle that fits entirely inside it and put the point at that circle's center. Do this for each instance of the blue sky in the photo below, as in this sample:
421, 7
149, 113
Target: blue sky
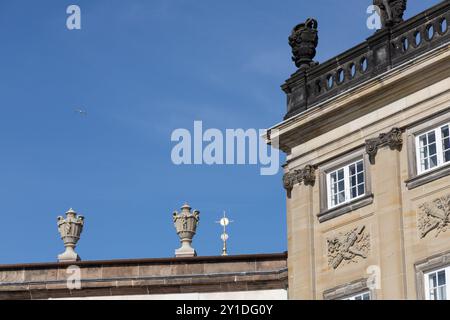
142, 69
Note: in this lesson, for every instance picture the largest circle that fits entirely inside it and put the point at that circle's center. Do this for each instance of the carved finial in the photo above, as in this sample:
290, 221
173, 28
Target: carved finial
186, 223
391, 11
304, 40
70, 230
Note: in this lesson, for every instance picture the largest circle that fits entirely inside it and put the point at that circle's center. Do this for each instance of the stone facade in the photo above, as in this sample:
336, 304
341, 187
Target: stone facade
403, 217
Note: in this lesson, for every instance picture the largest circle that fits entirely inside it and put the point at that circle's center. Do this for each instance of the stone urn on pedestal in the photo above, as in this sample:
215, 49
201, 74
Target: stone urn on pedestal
186, 223
70, 230
304, 40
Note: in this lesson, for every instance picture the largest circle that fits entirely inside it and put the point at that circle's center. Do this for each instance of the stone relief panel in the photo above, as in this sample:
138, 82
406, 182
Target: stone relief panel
349, 247
434, 216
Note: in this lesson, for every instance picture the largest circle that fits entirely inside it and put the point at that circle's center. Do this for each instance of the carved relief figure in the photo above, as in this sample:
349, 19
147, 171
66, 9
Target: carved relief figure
434, 215
304, 40
348, 247
391, 11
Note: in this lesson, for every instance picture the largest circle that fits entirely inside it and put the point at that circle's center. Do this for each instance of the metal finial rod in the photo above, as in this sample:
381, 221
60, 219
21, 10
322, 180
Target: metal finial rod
224, 222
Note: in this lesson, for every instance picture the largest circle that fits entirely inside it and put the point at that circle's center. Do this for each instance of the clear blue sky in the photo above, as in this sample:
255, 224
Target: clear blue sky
142, 69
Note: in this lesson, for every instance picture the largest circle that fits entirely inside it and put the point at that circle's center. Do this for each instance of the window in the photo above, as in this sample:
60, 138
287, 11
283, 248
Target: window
346, 184
436, 284
361, 296
433, 149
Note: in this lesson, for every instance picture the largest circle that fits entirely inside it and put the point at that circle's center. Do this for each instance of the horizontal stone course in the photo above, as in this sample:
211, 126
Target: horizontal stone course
147, 276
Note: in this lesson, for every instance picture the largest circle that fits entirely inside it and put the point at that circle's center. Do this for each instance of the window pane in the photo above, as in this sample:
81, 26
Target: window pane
446, 142
361, 177
433, 161
433, 282
361, 189
428, 151
432, 149
360, 166
431, 137
441, 278
341, 197
352, 169
442, 293
333, 177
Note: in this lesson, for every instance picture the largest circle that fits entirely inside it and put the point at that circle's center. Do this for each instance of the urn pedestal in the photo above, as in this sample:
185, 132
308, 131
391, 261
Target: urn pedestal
186, 223
70, 230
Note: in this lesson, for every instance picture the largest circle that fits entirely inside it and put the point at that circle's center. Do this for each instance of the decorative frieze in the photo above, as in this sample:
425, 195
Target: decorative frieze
393, 139
307, 175
348, 247
434, 215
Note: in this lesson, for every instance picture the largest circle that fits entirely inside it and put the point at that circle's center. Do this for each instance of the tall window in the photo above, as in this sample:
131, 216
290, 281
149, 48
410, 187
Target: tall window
361, 296
436, 284
433, 148
346, 184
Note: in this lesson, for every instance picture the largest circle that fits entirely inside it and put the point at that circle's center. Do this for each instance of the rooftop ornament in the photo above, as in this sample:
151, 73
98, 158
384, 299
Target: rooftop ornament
391, 11
304, 40
186, 223
70, 230
396, 44
224, 222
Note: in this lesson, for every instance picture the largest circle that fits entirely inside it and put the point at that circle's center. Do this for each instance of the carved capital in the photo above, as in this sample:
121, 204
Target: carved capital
434, 215
393, 139
307, 175
348, 247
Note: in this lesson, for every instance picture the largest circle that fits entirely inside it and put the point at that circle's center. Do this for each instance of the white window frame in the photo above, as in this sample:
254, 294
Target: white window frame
347, 187
353, 297
427, 282
439, 149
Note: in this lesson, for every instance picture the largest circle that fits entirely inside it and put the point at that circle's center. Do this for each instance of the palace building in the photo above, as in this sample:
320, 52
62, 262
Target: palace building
367, 180
367, 176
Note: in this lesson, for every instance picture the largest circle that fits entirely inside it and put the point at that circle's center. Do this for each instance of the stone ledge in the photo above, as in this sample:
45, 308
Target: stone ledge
346, 208
149, 276
427, 177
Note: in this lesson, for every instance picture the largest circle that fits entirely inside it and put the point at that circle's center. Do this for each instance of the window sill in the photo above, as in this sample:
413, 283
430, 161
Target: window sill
427, 177
345, 208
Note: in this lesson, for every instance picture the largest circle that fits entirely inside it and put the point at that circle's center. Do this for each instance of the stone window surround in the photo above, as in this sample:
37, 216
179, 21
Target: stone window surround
427, 124
327, 214
422, 267
348, 290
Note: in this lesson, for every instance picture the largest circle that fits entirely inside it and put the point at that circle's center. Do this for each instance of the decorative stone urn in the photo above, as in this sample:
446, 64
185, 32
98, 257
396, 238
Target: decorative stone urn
70, 230
186, 223
304, 40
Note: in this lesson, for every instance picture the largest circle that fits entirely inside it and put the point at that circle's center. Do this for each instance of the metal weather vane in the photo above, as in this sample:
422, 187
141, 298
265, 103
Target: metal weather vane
224, 222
